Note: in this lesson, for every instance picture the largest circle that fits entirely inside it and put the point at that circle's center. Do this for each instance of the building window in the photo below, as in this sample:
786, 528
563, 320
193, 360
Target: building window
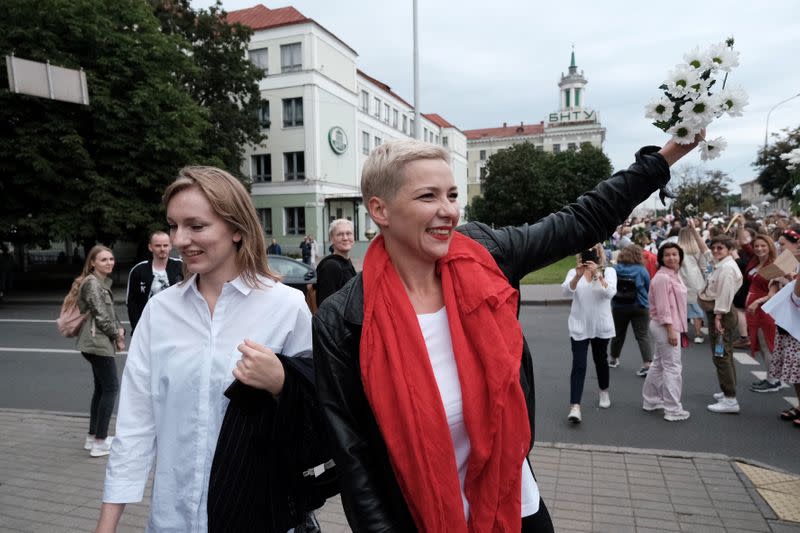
294, 164
258, 57
395, 118
365, 142
556, 148
291, 60
425, 134
412, 131
262, 168
378, 141
295, 220
437, 139
386, 113
365, 101
577, 97
292, 112
482, 155
405, 123
265, 217
378, 107
444, 141
572, 146
483, 172
540, 147
566, 94
263, 115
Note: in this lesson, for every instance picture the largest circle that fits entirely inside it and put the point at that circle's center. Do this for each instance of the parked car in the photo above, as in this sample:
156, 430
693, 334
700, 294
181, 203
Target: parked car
295, 273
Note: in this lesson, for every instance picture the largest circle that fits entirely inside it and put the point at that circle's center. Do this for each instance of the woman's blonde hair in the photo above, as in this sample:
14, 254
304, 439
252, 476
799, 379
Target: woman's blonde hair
88, 268
382, 173
601, 254
231, 202
687, 243
631, 255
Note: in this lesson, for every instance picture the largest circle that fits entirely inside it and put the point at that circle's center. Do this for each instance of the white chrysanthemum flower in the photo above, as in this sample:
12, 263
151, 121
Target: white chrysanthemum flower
732, 101
698, 112
698, 59
712, 149
792, 159
680, 80
660, 109
723, 58
683, 132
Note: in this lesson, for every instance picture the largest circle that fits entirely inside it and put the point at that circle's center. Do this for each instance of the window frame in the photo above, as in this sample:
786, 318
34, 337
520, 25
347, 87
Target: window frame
264, 177
290, 48
294, 158
293, 103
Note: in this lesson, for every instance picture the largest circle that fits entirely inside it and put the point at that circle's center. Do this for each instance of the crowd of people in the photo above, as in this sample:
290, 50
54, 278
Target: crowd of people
411, 389
712, 274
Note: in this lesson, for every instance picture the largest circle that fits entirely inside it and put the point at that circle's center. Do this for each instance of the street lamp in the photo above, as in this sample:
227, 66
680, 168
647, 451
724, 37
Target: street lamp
766, 129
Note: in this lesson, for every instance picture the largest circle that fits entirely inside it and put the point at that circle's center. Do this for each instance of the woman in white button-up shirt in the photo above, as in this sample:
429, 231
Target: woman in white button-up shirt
591, 286
227, 320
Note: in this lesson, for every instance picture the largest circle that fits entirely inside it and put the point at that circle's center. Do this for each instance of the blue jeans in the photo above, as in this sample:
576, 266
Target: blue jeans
106, 387
580, 350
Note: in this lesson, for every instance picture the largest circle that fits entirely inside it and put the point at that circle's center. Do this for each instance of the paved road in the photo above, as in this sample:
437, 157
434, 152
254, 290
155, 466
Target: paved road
34, 374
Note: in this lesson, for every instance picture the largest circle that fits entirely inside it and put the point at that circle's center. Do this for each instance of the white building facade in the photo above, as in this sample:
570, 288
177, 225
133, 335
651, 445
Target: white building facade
322, 117
565, 129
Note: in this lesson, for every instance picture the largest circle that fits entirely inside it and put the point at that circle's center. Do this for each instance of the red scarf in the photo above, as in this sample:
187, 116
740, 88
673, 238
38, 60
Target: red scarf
402, 391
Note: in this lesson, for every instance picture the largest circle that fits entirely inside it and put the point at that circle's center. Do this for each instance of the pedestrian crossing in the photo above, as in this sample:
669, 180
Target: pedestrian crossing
746, 359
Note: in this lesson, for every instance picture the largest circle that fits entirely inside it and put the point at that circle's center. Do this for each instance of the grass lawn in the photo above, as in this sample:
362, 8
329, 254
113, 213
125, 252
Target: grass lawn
554, 273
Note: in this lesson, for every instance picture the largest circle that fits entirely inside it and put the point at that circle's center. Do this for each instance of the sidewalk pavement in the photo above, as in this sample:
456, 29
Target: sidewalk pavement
48, 483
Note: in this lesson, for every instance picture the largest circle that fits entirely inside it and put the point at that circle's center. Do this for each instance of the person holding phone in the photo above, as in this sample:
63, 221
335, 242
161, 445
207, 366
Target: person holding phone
592, 286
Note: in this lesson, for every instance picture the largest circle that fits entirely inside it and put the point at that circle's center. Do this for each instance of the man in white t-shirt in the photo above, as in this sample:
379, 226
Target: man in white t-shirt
150, 277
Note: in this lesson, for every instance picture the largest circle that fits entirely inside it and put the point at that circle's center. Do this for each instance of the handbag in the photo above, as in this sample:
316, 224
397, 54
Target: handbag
684, 340
706, 305
70, 321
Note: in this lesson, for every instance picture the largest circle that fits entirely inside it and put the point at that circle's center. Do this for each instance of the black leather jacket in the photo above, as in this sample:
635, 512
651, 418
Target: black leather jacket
371, 498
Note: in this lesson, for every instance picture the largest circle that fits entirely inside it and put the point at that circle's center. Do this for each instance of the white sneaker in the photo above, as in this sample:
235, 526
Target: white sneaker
87, 444
605, 400
725, 405
99, 449
698, 340
676, 417
575, 414
652, 407
719, 395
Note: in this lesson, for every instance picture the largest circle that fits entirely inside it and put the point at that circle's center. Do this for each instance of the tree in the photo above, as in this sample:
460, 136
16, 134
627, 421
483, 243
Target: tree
774, 176
524, 184
93, 173
224, 82
703, 190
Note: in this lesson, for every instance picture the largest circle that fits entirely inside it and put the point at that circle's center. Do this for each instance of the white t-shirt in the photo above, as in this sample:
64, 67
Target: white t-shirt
160, 282
436, 332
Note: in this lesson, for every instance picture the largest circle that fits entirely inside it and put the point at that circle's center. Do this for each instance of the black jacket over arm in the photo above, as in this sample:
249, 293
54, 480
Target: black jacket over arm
332, 273
261, 478
371, 497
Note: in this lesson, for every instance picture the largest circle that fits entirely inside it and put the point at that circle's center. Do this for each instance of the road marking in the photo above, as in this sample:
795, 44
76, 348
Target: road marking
44, 350
744, 358
37, 321
760, 374
792, 400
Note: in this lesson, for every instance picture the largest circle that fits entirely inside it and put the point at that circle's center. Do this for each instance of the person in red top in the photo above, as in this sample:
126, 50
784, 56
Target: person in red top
760, 326
641, 238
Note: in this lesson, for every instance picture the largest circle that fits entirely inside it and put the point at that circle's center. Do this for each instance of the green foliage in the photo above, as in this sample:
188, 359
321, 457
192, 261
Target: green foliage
223, 82
524, 184
551, 274
705, 190
159, 100
773, 175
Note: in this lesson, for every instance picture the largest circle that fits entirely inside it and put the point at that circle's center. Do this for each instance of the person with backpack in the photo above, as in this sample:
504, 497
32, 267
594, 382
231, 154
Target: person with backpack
630, 306
101, 336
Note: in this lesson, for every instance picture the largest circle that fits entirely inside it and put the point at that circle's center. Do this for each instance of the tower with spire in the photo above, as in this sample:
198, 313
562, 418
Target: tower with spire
572, 86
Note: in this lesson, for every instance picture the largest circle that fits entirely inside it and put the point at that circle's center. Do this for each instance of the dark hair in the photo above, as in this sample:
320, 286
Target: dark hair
724, 240
666, 245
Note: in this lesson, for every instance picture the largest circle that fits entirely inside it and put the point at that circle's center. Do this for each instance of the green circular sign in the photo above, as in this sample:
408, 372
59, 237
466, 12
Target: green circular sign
337, 138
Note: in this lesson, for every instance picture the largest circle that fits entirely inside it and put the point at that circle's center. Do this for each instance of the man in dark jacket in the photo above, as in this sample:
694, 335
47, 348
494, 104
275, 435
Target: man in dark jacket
274, 248
336, 269
305, 250
150, 277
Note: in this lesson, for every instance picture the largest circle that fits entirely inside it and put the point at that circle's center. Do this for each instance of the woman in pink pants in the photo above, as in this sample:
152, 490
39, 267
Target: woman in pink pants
662, 388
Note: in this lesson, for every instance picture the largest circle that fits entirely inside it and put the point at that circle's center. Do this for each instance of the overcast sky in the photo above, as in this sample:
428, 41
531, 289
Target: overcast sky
485, 63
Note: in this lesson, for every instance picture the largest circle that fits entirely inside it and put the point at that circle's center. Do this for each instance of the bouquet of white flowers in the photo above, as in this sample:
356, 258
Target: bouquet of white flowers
688, 104
792, 159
